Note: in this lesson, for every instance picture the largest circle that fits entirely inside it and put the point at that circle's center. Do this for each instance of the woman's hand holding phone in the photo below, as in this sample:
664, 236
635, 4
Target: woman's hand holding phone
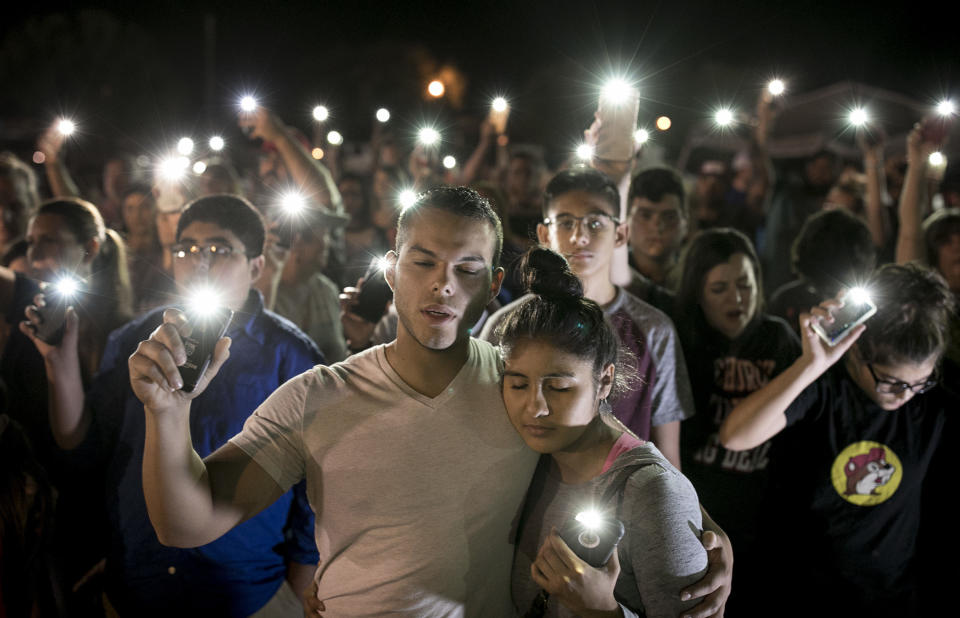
580, 587
817, 353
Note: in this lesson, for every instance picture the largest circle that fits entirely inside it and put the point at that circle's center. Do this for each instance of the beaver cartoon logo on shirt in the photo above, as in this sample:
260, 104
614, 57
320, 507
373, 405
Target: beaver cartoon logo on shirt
866, 473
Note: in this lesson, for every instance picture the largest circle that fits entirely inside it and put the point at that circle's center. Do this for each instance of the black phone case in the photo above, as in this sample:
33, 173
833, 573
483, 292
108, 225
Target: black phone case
607, 535
53, 316
207, 331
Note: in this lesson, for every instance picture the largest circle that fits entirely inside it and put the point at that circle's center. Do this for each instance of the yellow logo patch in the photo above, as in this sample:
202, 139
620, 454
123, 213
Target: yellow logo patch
866, 473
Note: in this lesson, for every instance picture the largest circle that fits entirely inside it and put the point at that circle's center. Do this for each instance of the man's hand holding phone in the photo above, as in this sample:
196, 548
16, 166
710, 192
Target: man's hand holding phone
155, 367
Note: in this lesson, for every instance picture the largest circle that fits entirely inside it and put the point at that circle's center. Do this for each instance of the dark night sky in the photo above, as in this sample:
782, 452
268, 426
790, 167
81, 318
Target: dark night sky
548, 57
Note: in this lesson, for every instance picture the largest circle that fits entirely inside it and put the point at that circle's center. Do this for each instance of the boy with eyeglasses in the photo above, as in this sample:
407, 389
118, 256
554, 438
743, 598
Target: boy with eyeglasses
580, 211
260, 567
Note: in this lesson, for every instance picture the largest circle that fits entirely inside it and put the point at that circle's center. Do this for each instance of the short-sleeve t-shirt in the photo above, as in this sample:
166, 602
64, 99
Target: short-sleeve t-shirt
847, 483
731, 483
414, 496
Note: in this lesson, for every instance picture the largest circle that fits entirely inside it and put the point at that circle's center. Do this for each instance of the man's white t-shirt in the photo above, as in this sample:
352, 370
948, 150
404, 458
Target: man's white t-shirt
414, 496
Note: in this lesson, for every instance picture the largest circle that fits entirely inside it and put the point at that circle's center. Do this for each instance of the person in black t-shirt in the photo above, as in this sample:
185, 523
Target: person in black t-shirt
732, 348
850, 471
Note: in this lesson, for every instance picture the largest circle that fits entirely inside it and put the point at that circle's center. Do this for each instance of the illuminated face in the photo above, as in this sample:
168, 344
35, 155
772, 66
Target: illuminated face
914, 374
657, 229
231, 275
443, 277
52, 248
948, 261
139, 215
588, 247
729, 296
551, 396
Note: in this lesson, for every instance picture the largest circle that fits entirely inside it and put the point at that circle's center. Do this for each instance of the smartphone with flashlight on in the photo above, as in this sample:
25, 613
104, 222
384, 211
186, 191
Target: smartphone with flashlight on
857, 308
617, 112
57, 297
374, 293
592, 536
208, 325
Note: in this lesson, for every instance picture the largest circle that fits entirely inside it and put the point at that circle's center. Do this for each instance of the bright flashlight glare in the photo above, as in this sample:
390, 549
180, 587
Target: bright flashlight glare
858, 117
858, 295
664, 123
449, 162
66, 126
436, 88
293, 203
936, 159
428, 136
317, 153
185, 146
616, 90
383, 114
199, 167
723, 117
407, 198
590, 519
499, 104
946, 108
67, 286
335, 138
203, 301
776, 87
383, 263
641, 136
173, 168
584, 152
320, 113
248, 103
216, 143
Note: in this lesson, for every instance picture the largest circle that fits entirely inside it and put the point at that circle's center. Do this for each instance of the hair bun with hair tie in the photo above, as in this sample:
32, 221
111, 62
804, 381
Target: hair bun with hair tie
548, 275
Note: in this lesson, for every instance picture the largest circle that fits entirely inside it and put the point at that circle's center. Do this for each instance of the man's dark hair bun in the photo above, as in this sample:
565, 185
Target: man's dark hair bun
548, 275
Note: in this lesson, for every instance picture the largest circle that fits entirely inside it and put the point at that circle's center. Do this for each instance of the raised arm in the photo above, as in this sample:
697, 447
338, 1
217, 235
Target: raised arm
873, 200
310, 175
191, 501
762, 414
51, 145
910, 245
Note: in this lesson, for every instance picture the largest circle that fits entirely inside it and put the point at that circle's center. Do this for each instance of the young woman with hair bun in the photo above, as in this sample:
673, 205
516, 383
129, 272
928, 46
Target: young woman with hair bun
562, 362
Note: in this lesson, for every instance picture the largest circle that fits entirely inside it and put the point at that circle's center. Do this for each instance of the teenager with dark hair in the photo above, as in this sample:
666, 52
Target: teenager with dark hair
267, 562
732, 348
581, 223
413, 468
834, 251
658, 229
863, 419
562, 361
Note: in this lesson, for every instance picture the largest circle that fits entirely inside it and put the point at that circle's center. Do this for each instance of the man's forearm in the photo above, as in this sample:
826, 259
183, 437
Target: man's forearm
910, 235
61, 184
175, 483
315, 179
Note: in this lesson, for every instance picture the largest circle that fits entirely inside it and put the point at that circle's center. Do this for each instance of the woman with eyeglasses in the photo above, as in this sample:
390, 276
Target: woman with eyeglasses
863, 420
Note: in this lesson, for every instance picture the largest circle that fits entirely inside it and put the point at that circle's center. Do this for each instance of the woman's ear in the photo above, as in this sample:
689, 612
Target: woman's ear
90, 250
607, 375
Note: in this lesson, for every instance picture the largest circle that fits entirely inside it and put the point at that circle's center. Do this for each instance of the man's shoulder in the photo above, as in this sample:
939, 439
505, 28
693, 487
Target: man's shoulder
281, 332
645, 315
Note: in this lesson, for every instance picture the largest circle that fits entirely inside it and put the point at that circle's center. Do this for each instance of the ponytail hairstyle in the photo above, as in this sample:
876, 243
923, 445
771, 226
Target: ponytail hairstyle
110, 279
911, 325
558, 314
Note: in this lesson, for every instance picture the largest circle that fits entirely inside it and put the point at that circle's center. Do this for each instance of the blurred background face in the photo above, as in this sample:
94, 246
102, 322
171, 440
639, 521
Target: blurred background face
116, 174
729, 297
273, 174
52, 248
657, 229
139, 214
352, 193
820, 172
948, 261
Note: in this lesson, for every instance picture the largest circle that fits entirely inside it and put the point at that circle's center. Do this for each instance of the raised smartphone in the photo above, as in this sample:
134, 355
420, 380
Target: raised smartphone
853, 313
208, 327
593, 538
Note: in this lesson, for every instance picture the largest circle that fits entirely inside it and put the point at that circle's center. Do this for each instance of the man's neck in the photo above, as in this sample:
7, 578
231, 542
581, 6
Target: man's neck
426, 371
599, 289
655, 270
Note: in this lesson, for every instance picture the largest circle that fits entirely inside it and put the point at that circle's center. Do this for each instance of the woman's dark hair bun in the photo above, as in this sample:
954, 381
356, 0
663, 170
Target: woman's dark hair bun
548, 275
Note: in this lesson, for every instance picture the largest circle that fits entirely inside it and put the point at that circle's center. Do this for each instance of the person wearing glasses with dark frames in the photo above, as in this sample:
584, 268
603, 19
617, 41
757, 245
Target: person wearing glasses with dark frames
863, 420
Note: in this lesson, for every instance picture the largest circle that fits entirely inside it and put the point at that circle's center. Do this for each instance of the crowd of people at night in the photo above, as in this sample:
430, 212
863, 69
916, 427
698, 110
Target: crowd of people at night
328, 384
